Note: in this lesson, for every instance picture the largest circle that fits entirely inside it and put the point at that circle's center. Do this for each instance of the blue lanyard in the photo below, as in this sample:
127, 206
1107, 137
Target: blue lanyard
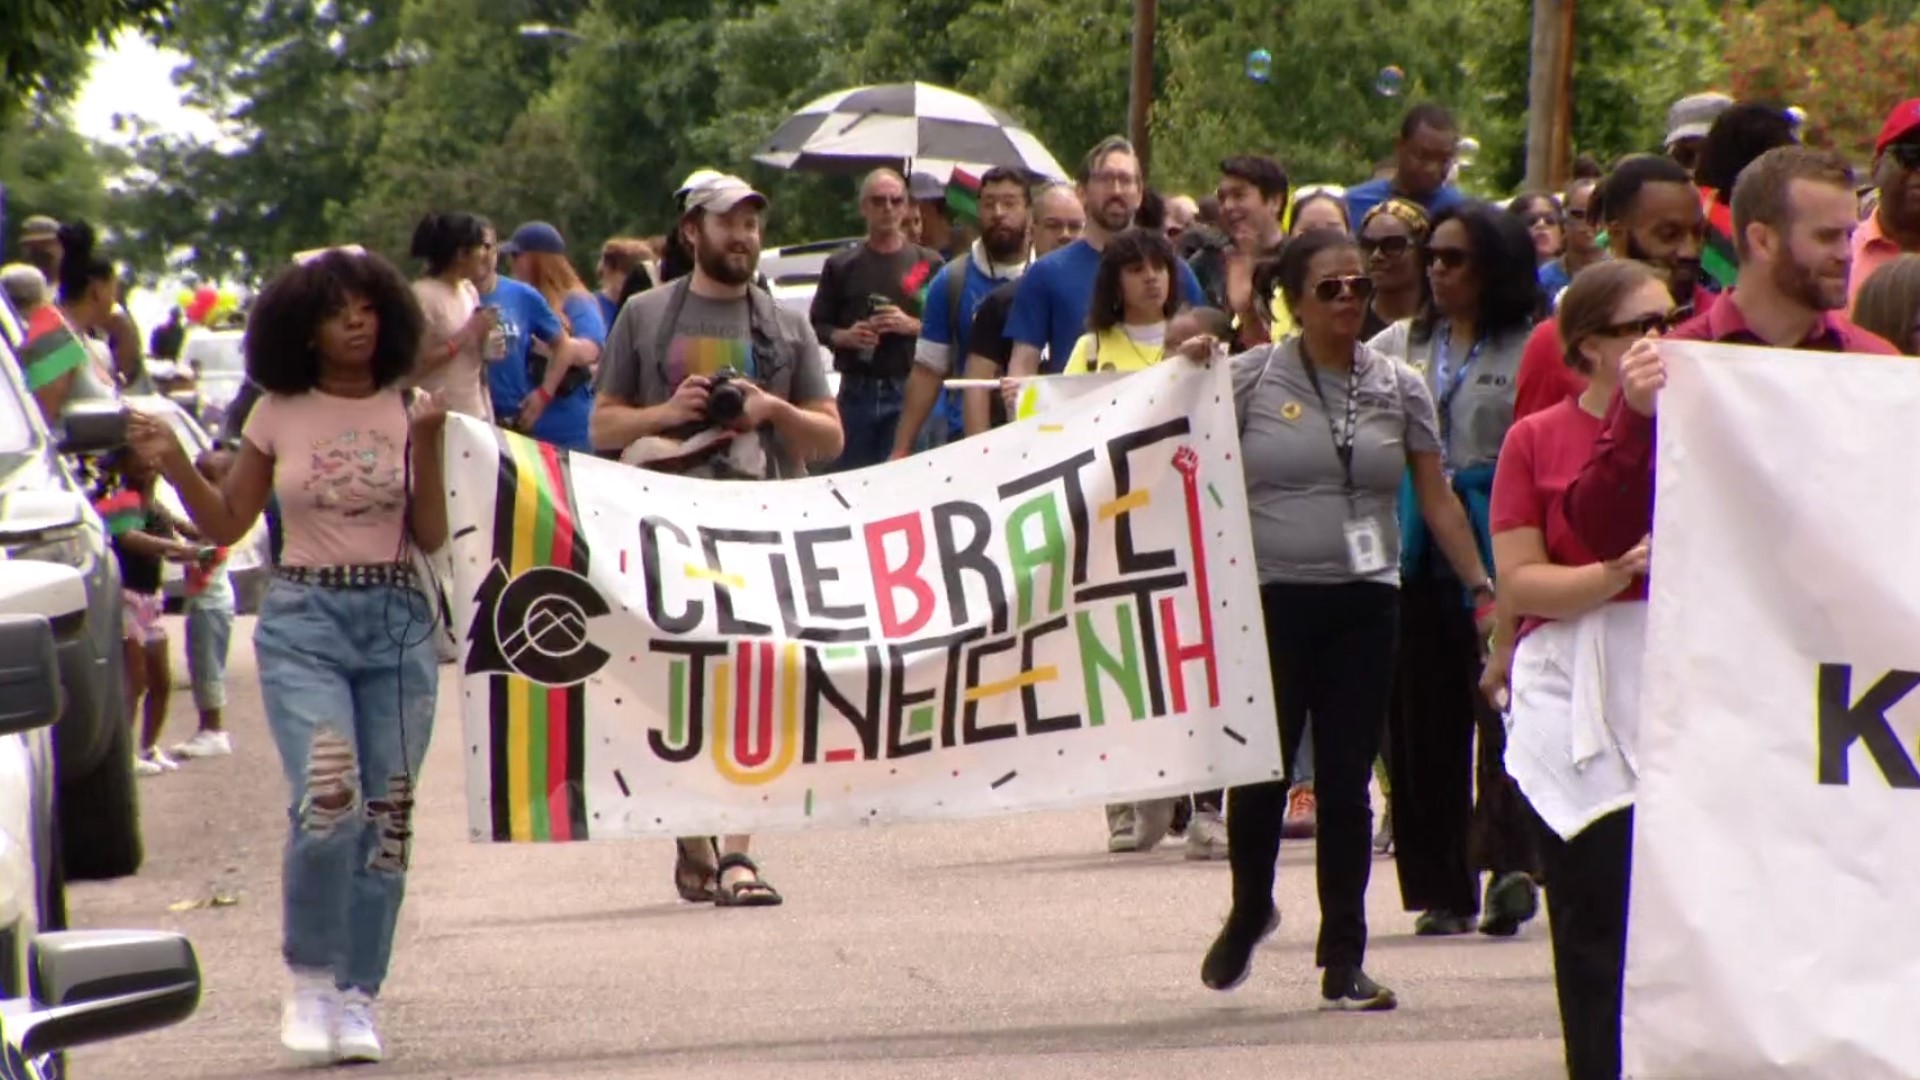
1450, 381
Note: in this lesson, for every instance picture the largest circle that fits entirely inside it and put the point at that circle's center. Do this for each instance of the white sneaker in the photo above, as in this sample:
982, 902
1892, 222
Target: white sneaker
307, 1018
1206, 836
159, 758
205, 744
354, 1037
146, 766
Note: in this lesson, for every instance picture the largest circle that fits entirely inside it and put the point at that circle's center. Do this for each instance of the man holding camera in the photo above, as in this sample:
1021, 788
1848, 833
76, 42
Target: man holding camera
866, 307
707, 376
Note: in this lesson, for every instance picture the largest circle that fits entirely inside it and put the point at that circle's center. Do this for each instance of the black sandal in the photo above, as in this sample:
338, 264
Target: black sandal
697, 878
752, 892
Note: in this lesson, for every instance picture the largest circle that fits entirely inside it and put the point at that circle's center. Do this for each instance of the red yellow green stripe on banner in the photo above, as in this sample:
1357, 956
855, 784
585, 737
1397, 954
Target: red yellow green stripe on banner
537, 733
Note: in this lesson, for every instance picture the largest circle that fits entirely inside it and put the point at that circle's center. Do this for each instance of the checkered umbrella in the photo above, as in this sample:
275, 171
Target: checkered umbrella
904, 125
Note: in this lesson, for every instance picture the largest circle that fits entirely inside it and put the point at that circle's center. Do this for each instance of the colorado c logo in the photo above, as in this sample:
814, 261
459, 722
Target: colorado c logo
535, 626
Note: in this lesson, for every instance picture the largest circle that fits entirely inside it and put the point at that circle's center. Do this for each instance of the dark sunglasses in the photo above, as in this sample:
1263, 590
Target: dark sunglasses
1391, 247
1907, 154
1327, 290
1574, 213
1451, 258
1644, 325
1542, 219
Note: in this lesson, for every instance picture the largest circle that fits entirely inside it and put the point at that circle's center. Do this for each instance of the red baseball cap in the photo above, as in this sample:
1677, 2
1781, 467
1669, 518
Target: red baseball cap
1904, 120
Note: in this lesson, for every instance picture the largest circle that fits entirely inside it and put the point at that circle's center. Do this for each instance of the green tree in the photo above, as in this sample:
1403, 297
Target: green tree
48, 168
457, 137
300, 88
44, 43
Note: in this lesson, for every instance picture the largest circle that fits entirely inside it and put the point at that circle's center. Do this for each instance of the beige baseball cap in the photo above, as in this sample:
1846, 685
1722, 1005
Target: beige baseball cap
716, 192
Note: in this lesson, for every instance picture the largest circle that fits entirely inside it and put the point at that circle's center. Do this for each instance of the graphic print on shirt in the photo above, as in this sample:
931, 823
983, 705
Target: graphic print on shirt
355, 474
689, 355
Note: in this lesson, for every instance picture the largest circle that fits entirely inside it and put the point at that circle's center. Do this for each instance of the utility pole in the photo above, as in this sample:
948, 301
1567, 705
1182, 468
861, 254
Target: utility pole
1550, 94
1140, 91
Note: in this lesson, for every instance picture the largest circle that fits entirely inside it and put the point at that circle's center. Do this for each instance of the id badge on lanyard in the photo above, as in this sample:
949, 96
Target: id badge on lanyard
1366, 541
1449, 383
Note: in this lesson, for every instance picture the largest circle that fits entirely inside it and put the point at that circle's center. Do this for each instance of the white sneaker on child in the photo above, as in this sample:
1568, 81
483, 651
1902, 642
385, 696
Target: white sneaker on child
307, 1018
205, 744
354, 1037
146, 766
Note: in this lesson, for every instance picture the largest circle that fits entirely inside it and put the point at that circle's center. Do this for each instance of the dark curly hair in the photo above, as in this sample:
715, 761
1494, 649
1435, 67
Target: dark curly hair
286, 318
81, 264
1130, 248
1510, 298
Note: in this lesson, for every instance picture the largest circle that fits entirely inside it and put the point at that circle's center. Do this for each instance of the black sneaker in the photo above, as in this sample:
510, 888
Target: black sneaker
1230, 957
1512, 899
1441, 924
1350, 989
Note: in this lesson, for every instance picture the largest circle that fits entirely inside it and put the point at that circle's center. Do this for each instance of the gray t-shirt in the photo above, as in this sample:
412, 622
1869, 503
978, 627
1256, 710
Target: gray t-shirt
1296, 489
646, 358
1480, 410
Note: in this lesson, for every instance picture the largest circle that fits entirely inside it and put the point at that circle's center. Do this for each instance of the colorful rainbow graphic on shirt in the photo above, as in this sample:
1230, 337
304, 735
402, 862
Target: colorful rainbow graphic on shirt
538, 733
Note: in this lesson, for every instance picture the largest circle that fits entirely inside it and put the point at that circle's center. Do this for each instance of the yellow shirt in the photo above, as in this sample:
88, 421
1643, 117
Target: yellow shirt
1114, 349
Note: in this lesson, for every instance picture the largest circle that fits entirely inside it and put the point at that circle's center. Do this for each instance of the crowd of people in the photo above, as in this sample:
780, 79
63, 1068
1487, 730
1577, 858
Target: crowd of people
1446, 415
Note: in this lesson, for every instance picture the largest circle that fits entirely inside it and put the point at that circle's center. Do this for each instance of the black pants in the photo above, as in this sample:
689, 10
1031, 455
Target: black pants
1330, 648
1441, 840
1588, 879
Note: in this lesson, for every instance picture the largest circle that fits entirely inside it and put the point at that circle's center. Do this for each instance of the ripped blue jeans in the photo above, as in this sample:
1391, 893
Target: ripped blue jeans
349, 680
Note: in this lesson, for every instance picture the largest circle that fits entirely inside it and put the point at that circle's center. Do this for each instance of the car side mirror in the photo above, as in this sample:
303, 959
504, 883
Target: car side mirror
30, 693
93, 985
93, 427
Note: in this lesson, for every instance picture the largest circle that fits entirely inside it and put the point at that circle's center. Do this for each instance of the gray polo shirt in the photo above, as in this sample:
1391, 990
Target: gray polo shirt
1481, 410
1296, 489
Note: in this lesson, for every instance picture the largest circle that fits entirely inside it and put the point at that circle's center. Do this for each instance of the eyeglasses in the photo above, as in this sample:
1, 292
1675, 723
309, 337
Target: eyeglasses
1451, 258
1574, 213
1534, 220
1907, 154
1116, 178
1327, 290
1658, 323
1391, 247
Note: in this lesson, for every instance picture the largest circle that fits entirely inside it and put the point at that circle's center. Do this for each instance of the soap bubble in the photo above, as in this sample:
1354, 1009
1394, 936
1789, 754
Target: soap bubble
1259, 65
1390, 81
1465, 151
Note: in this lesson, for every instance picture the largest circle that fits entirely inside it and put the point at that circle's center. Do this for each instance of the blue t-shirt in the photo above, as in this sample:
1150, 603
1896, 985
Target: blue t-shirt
1050, 308
1364, 197
609, 309
1553, 278
938, 330
524, 316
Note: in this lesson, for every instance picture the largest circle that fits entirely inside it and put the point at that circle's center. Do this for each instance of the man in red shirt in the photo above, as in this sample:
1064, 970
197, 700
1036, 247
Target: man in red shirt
1794, 215
1653, 214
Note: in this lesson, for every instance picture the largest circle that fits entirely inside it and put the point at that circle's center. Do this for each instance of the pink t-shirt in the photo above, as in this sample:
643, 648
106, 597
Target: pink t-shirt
461, 382
339, 470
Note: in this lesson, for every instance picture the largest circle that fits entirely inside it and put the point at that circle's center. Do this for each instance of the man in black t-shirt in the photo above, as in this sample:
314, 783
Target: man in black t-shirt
867, 308
1058, 219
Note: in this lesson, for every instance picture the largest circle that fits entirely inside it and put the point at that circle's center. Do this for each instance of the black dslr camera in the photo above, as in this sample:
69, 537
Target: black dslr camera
726, 397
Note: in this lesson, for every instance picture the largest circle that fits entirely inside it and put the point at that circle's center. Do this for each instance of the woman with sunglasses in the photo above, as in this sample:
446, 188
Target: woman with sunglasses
1575, 672
1392, 237
1582, 240
1328, 427
1540, 213
1469, 343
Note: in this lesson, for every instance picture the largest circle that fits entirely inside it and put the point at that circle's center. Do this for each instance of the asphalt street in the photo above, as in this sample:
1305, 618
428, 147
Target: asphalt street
1006, 949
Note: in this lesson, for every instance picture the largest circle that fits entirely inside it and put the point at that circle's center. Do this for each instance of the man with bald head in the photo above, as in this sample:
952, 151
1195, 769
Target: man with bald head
867, 307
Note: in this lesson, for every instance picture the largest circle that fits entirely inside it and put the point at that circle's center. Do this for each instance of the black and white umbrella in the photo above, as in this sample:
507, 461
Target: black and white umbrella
917, 125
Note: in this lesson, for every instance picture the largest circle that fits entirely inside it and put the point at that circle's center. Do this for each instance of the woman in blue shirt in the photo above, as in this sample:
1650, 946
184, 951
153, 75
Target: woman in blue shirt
559, 373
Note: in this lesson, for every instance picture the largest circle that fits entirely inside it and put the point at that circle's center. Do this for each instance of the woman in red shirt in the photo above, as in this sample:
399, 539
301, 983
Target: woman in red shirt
1575, 669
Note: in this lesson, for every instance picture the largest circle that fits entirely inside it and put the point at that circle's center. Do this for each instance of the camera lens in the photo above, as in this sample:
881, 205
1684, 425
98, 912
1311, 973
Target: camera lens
725, 404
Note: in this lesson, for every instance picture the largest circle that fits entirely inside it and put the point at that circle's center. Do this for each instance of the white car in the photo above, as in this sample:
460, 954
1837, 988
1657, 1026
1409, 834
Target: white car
219, 367
249, 562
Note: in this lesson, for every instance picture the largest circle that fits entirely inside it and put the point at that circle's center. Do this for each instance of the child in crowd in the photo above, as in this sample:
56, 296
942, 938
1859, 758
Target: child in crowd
144, 539
209, 608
